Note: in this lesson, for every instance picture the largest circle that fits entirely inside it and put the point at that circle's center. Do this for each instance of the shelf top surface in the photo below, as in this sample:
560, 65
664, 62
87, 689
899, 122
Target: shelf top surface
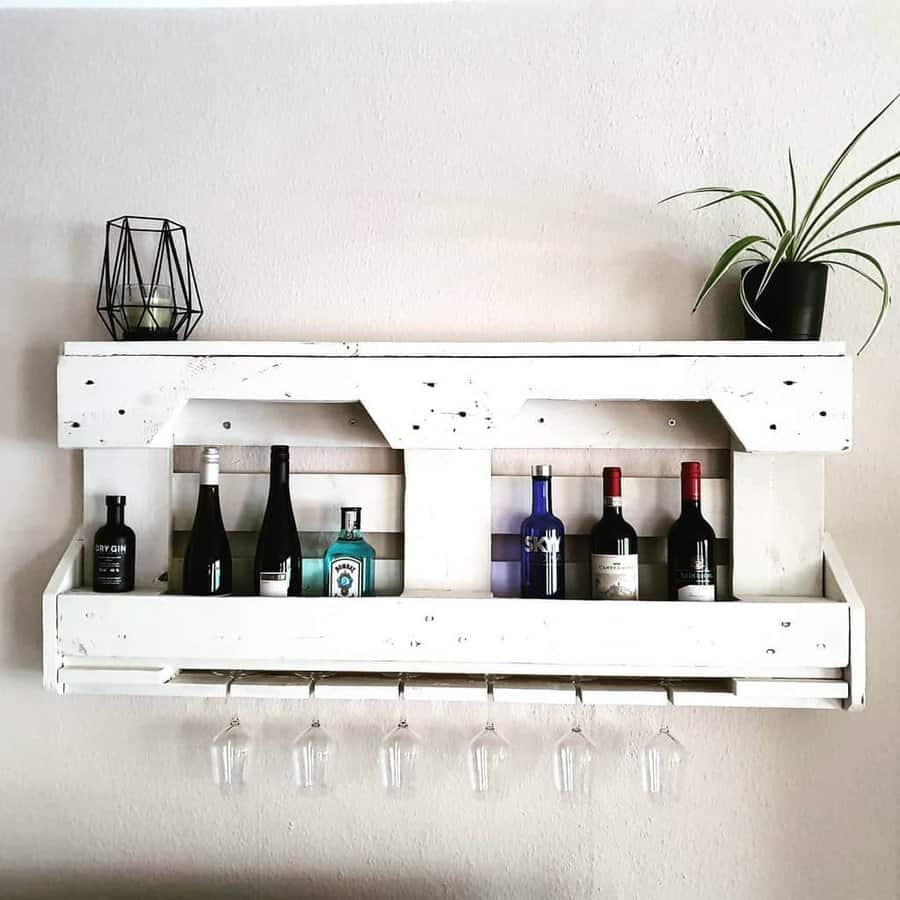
451, 349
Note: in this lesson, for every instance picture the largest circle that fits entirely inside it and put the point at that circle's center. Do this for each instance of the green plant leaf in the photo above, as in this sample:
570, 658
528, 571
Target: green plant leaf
723, 263
793, 193
876, 185
892, 224
839, 161
777, 257
843, 265
757, 199
856, 181
742, 293
885, 290
700, 190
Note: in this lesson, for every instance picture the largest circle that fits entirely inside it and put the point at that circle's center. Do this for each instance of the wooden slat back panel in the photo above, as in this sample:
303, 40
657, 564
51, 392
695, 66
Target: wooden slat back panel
649, 504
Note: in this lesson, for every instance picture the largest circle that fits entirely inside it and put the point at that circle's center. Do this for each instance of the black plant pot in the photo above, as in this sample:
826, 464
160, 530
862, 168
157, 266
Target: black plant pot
792, 303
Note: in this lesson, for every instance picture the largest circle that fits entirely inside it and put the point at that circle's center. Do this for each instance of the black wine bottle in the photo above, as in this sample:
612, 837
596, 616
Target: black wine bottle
207, 560
614, 547
278, 566
114, 550
692, 544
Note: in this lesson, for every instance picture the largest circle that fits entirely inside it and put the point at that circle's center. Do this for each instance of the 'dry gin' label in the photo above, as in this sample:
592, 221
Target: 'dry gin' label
614, 576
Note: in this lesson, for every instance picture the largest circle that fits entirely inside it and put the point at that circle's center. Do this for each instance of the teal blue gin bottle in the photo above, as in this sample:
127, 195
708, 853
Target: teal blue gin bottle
349, 563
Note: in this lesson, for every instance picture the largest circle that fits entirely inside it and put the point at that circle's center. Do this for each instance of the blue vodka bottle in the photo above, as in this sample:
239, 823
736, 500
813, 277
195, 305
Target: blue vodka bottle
543, 542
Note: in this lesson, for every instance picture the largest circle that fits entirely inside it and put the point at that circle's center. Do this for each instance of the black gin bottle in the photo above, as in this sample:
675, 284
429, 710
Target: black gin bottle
114, 550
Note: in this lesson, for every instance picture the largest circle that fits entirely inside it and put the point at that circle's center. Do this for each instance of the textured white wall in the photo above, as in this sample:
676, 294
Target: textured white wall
431, 172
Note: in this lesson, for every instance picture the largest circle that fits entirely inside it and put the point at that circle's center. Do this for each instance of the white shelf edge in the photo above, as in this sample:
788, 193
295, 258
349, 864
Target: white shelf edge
455, 349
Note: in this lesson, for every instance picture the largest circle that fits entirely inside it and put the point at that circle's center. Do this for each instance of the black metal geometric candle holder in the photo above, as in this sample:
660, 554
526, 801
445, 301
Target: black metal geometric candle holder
148, 291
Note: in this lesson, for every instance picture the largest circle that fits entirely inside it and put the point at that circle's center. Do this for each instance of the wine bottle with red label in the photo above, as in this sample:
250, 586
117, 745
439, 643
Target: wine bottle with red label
691, 545
614, 547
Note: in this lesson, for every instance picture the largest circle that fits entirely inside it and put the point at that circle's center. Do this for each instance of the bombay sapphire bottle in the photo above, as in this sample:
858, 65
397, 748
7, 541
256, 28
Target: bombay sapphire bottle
349, 563
543, 542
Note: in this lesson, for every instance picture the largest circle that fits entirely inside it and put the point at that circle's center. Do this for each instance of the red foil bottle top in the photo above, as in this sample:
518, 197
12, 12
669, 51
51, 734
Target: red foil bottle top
690, 481
612, 481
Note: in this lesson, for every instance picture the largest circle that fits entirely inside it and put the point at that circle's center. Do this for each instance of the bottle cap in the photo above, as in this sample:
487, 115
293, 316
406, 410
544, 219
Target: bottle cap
612, 481
541, 471
690, 469
115, 500
350, 517
210, 454
280, 451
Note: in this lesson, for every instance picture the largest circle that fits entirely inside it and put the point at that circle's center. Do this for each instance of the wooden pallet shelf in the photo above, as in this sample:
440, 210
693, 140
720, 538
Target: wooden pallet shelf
795, 638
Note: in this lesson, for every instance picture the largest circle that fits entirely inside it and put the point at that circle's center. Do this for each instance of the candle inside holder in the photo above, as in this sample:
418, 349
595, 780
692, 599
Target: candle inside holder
149, 311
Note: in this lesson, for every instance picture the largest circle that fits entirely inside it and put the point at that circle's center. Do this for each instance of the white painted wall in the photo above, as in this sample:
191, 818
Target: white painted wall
439, 171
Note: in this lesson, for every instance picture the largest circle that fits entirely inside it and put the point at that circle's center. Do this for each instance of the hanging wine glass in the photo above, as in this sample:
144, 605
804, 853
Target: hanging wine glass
488, 755
573, 757
399, 753
313, 752
230, 752
662, 764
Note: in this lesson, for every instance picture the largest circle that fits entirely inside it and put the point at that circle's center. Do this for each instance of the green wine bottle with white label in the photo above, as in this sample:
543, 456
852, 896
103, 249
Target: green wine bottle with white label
349, 564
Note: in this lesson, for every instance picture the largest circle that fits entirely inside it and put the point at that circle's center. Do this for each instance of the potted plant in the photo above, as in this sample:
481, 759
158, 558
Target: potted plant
783, 284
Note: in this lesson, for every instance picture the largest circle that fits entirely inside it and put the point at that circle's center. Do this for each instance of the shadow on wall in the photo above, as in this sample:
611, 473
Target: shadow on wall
220, 885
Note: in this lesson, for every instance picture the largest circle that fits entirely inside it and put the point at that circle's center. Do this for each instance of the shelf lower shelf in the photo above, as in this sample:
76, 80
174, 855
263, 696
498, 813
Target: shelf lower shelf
760, 651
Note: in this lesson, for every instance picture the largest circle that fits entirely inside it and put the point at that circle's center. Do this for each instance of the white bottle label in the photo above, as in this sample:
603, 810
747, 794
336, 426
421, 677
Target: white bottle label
345, 577
273, 584
702, 593
614, 577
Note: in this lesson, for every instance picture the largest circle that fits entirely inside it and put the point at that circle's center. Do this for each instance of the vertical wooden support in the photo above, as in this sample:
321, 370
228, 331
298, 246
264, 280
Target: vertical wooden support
447, 521
66, 575
778, 511
839, 587
144, 476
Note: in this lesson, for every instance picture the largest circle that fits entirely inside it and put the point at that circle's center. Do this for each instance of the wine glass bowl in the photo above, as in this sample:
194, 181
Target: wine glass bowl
487, 755
573, 758
312, 754
662, 765
398, 757
230, 754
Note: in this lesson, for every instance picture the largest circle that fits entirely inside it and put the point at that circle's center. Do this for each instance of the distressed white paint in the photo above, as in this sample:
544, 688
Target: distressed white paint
442, 401
436, 172
447, 521
779, 520
839, 586
144, 477
317, 499
452, 634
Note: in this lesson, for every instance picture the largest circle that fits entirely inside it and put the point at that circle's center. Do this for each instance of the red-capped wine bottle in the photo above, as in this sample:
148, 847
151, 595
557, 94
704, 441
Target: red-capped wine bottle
278, 566
207, 560
614, 547
692, 544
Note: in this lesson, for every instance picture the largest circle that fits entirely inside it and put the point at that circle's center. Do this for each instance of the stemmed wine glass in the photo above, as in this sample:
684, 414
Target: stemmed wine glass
313, 752
488, 754
573, 757
230, 752
662, 764
399, 753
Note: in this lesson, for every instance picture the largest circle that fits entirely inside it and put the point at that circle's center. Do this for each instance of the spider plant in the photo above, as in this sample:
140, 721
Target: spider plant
806, 237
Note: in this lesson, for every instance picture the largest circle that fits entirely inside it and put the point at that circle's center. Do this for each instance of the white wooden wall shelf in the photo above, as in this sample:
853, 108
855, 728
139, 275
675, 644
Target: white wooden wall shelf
445, 614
